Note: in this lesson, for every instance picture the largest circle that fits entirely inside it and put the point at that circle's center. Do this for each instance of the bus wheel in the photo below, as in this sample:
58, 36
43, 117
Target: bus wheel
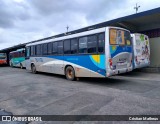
11, 65
33, 68
21, 66
70, 73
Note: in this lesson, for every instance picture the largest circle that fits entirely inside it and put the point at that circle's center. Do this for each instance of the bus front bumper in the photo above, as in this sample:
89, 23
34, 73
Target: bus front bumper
3, 62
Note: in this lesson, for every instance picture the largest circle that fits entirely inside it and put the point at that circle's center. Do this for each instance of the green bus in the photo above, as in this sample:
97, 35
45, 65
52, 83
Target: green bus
17, 58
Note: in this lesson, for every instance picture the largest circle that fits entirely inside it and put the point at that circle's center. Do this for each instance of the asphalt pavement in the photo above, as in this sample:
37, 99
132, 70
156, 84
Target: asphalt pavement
24, 93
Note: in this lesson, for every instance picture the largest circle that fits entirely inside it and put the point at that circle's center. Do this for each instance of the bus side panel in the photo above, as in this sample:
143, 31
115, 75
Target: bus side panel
56, 65
46, 64
84, 65
28, 64
17, 61
99, 62
42, 64
141, 51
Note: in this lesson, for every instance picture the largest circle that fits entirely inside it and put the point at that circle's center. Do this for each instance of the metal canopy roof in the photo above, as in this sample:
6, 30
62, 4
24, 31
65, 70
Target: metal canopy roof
135, 23
142, 23
13, 48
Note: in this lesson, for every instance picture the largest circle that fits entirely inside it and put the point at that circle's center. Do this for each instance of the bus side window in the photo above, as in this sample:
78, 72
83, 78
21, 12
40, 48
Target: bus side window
28, 52
16, 54
60, 47
32, 51
128, 38
74, 46
23, 53
67, 47
45, 49
10, 56
49, 48
38, 49
101, 42
92, 44
20, 54
55, 49
83, 45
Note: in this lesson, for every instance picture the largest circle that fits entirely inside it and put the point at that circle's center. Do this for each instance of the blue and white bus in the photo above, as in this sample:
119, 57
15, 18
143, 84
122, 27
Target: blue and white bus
100, 52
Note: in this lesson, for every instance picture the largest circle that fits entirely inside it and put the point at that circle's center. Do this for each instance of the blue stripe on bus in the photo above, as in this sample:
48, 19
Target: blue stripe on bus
86, 61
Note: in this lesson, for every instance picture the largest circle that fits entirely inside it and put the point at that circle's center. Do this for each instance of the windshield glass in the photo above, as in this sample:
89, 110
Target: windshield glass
2, 55
119, 37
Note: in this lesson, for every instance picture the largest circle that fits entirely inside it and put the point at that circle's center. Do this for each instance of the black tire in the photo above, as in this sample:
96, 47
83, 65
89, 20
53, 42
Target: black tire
70, 73
21, 66
33, 69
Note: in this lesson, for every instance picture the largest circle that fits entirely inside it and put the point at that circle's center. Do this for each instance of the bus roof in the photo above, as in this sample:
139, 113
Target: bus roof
18, 50
134, 34
100, 30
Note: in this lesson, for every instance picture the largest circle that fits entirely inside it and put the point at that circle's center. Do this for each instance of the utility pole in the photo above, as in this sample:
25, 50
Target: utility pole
136, 8
67, 28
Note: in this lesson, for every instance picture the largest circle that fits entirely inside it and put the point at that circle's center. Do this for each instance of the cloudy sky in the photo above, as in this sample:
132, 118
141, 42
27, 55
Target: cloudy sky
27, 20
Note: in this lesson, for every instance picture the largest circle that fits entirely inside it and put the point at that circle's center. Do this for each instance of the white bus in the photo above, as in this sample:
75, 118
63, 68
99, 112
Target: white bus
141, 50
96, 53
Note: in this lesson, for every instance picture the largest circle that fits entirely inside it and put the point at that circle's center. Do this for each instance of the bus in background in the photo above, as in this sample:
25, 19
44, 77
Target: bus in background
100, 52
3, 59
141, 50
17, 58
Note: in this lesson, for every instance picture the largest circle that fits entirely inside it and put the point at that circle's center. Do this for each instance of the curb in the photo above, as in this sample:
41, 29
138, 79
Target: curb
149, 70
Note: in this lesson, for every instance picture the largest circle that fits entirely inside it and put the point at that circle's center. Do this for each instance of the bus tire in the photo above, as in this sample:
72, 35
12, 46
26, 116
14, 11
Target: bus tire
70, 73
33, 69
11, 64
21, 66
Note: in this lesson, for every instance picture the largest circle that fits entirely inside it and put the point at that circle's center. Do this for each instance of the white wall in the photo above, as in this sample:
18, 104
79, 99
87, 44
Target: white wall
155, 51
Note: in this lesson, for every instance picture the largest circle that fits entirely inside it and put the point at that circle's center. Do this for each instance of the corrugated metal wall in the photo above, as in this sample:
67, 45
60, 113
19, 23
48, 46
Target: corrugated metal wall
155, 51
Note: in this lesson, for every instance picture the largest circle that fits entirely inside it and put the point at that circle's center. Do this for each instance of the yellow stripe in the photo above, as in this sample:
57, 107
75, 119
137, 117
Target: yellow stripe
96, 58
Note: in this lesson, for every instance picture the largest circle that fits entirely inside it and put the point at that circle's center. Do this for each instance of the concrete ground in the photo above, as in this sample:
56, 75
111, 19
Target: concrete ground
135, 93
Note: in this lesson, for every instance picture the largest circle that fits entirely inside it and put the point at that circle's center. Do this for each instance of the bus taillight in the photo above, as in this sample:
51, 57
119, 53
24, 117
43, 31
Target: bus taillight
136, 58
110, 62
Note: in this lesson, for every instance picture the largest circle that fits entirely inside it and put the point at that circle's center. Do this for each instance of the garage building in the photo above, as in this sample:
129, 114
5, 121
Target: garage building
147, 22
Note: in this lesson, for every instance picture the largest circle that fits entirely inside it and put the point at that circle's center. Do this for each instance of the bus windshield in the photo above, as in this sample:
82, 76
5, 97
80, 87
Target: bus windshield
2, 56
119, 37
